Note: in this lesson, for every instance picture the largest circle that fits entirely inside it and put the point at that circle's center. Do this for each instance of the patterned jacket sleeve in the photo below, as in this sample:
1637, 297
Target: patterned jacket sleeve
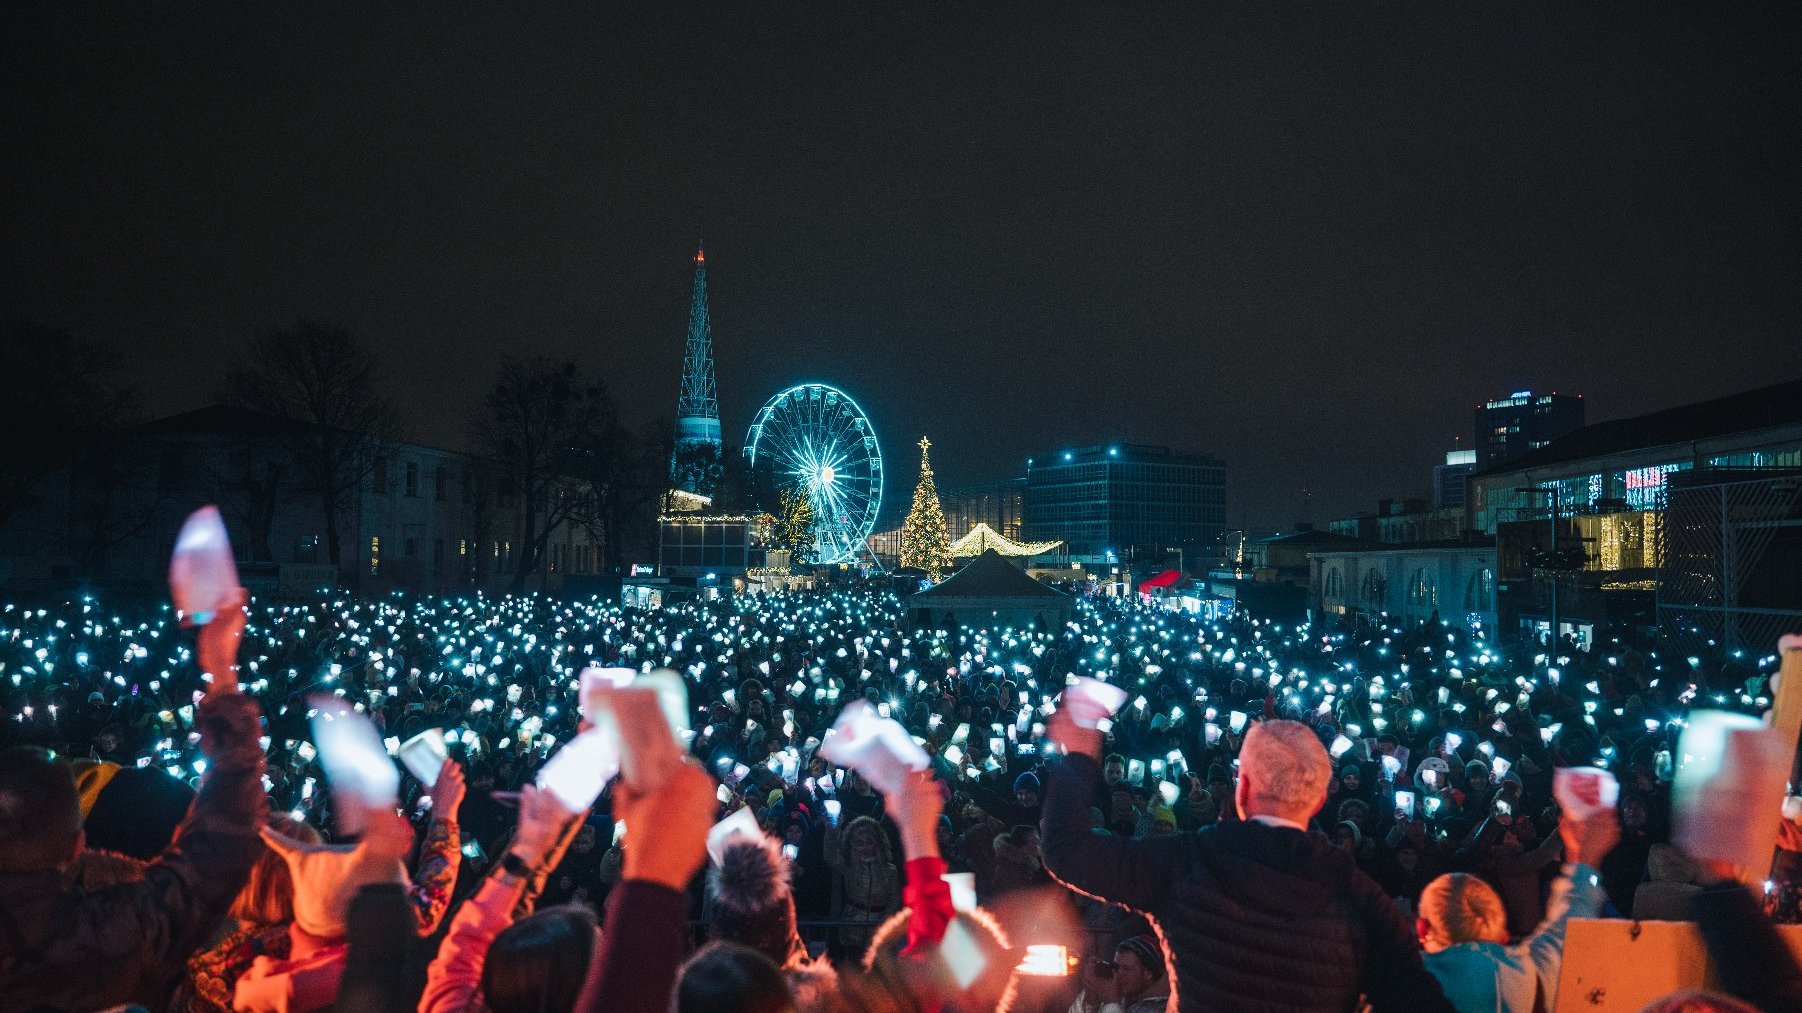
436, 877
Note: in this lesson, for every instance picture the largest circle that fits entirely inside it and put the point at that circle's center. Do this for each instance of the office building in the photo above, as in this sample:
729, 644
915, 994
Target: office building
1127, 503
1514, 426
1449, 479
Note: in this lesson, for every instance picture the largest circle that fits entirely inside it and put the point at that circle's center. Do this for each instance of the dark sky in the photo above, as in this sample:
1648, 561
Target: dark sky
1306, 237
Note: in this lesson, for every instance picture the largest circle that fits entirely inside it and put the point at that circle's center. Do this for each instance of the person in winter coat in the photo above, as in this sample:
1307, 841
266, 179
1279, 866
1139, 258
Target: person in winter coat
325, 881
1261, 914
257, 927
1671, 880
1464, 927
1018, 862
750, 903
869, 885
63, 948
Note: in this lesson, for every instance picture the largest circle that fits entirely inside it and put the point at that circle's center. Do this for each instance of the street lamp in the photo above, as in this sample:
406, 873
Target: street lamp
1552, 491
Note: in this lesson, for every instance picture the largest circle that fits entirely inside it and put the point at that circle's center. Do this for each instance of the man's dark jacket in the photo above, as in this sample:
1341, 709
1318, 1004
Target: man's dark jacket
64, 949
1259, 918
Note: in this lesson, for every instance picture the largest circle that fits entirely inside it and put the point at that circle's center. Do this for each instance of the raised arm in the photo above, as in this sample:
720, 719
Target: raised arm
1134, 873
454, 979
915, 810
187, 889
441, 855
1577, 893
643, 941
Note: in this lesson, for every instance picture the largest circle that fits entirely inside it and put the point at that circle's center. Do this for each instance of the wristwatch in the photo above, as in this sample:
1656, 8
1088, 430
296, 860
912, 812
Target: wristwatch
515, 866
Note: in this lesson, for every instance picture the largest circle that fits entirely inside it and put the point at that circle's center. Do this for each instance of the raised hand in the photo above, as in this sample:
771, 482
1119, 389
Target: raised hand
387, 834
216, 647
1071, 737
447, 790
915, 810
670, 827
542, 819
1590, 840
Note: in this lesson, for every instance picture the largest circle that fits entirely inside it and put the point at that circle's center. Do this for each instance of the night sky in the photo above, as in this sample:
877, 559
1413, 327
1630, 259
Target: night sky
1307, 237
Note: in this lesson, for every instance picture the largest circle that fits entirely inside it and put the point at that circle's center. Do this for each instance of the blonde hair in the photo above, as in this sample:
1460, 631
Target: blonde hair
992, 991
267, 897
1460, 908
1288, 768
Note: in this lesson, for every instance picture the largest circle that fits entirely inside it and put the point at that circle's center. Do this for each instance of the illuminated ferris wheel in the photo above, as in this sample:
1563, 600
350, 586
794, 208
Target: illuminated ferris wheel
816, 438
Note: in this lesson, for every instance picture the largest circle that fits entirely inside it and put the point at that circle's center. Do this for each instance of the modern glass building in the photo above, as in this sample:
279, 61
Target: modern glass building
1512, 427
1121, 503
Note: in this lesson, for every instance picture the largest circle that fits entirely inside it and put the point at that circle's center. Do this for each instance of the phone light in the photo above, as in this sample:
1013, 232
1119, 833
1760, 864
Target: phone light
1045, 960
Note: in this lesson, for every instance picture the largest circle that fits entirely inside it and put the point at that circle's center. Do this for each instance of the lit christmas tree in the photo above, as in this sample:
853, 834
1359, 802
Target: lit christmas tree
925, 544
794, 526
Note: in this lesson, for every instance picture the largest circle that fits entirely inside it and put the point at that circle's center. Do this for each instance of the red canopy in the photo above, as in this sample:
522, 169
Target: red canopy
1165, 579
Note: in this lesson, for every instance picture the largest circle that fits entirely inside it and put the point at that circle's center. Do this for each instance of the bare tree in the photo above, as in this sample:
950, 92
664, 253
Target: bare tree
58, 398
321, 377
624, 483
544, 423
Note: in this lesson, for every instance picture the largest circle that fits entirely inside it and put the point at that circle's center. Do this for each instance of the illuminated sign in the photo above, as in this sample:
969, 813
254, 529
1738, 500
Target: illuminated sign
643, 569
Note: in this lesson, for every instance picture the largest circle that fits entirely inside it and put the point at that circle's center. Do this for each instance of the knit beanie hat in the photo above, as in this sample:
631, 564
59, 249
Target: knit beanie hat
1028, 781
135, 811
327, 878
1147, 950
752, 901
1165, 815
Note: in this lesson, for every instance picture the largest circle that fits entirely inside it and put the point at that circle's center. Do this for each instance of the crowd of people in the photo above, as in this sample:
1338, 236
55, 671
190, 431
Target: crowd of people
1277, 817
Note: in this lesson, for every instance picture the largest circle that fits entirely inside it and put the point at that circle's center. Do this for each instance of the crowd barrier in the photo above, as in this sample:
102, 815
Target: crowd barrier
1615, 965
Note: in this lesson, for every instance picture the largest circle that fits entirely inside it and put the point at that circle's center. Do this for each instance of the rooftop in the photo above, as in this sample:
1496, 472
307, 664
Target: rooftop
1764, 408
1134, 452
1309, 537
989, 576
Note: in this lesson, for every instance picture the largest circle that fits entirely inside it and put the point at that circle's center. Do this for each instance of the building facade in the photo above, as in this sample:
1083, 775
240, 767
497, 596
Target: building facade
1511, 427
1126, 503
1454, 581
1450, 478
422, 518
1586, 534
1000, 505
